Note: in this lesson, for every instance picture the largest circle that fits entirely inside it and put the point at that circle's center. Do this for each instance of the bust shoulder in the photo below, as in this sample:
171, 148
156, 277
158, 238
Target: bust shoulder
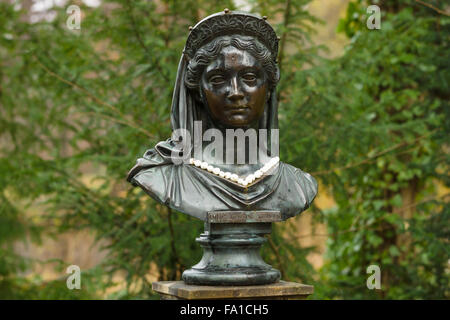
299, 184
151, 173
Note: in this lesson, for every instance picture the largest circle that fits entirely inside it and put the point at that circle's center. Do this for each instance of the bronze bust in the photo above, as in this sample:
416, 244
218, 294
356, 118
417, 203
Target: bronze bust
226, 81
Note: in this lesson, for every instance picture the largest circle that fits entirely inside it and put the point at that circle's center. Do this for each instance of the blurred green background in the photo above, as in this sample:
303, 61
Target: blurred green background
364, 111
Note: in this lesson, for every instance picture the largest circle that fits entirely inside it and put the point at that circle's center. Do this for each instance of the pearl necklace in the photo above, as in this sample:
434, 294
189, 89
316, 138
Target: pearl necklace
234, 177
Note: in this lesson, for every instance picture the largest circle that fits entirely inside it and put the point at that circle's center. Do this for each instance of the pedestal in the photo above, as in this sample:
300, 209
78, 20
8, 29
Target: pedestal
178, 290
231, 250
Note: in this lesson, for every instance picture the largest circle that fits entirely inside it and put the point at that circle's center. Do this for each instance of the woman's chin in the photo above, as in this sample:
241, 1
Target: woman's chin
238, 121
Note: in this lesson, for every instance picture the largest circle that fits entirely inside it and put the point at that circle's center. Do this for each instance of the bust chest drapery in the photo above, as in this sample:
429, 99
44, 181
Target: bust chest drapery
194, 191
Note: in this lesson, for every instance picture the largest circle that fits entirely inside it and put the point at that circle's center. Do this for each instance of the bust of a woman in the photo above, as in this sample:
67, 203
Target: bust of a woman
225, 90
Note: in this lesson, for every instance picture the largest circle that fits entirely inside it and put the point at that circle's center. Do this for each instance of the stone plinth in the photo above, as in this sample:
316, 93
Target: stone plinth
282, 290
231, 250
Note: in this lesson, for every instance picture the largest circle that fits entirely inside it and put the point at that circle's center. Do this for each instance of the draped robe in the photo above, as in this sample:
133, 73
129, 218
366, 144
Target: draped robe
195, 191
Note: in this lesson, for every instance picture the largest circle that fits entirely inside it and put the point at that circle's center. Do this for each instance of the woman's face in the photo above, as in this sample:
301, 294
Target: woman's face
235, 88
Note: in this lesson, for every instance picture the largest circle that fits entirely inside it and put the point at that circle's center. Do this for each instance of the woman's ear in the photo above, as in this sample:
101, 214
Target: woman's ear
196, 94
268, 94
199, 95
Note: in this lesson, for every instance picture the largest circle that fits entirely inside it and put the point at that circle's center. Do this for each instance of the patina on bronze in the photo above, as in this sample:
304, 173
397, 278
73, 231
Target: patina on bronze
226, 79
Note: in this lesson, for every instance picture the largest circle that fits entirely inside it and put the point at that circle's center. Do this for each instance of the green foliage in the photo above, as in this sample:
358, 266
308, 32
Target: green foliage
78, 107
375, 124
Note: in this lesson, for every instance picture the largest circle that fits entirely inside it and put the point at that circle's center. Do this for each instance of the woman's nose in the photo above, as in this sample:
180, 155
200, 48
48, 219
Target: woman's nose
235, 91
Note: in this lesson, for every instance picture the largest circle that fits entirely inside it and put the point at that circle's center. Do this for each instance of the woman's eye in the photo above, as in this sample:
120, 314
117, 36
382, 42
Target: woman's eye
250, 77
217, 80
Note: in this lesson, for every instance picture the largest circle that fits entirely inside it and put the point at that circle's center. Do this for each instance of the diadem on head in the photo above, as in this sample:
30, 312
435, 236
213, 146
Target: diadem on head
228, 23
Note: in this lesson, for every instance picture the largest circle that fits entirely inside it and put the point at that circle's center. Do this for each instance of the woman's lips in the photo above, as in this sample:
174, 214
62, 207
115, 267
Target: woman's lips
238, 108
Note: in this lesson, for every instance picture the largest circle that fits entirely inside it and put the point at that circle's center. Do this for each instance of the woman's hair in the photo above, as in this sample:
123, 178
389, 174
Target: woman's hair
211, 50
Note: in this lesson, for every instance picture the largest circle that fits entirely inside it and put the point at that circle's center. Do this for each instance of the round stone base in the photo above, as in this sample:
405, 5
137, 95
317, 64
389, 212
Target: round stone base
231, 277
231, 256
